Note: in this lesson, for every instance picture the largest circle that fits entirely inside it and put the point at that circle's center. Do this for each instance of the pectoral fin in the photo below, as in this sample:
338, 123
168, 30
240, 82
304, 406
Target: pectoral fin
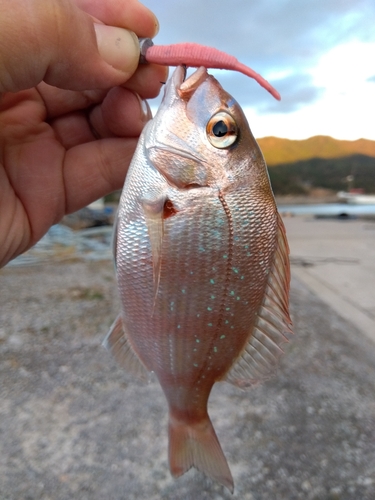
114, 239
118, 344
273, 325
153, 212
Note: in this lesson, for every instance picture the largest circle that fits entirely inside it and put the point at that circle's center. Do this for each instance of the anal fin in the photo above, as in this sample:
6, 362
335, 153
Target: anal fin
119, 346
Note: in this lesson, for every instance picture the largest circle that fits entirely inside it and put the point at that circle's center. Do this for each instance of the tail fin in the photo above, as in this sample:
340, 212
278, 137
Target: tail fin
196, 445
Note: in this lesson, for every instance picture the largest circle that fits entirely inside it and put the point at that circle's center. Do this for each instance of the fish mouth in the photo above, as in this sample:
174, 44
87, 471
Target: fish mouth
179, 76
183, 86
179, 87
171, 89
165, 142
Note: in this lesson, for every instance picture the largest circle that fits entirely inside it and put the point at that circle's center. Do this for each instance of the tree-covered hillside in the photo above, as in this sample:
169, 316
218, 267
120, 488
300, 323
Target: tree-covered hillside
277, 150
301, 176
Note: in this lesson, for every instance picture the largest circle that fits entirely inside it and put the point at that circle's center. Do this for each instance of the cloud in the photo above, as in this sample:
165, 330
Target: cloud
268, 33
271, 36
300, 47
296, 91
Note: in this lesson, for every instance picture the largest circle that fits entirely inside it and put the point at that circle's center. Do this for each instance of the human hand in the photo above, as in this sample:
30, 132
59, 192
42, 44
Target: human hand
71, 108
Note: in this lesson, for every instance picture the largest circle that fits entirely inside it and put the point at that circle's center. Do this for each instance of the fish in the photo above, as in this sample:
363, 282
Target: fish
202, 264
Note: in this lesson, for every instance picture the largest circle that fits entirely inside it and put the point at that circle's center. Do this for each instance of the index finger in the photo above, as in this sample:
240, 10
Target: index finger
129, 14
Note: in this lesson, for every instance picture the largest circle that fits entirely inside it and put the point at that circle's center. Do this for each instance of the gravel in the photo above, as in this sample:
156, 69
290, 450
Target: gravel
73, 425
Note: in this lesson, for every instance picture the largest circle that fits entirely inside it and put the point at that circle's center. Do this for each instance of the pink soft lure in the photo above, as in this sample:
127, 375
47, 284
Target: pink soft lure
195, 55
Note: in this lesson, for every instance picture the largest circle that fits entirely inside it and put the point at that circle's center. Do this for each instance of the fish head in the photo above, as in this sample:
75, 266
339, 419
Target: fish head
201, 137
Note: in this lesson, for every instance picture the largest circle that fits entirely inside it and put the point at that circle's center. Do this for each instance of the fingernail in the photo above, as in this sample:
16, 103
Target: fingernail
146, 113
157, 26
118, 47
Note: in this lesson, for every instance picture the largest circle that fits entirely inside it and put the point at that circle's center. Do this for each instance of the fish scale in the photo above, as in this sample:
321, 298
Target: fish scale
202, 264
177, 288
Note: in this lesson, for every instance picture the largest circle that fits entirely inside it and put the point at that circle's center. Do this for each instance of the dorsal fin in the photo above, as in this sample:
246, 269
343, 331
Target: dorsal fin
119, 346
273, 324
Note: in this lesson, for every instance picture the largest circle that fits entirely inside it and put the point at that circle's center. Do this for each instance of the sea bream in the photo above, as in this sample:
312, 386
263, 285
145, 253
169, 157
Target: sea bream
202, 263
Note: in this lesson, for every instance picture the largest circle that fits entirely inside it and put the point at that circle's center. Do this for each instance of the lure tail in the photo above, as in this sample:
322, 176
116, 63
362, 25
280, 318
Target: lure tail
196, 445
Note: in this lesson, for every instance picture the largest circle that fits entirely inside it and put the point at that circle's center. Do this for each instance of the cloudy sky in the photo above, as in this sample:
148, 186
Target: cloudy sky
319, 54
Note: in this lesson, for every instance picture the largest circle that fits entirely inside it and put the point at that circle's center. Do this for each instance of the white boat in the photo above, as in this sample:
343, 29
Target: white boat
356, 198
326, 210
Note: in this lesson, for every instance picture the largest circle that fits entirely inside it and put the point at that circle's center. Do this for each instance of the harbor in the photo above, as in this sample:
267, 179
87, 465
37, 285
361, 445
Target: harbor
74, 425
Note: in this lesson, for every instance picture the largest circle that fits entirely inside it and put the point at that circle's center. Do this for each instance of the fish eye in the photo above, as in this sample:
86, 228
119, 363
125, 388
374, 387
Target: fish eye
222, 130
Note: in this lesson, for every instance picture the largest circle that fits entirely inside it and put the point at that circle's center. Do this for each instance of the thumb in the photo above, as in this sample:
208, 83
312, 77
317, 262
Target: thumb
56, 42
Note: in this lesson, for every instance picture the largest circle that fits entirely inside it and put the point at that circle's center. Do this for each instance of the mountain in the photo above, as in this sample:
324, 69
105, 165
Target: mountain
300, 177
278, 151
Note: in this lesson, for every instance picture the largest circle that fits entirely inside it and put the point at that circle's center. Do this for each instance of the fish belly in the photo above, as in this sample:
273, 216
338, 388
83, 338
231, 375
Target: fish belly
191, 322
214, 264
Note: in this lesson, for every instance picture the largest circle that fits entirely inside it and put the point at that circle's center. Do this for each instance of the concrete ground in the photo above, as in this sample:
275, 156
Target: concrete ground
336, 259
74, 426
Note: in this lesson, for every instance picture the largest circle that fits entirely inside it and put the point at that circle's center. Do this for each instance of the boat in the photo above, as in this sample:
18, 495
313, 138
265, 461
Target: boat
355, 198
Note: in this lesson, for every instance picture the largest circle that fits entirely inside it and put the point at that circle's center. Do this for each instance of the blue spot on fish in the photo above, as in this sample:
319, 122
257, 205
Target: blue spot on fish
212, 281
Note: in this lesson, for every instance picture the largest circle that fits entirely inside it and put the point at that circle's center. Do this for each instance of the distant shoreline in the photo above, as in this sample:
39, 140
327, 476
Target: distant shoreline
305, 199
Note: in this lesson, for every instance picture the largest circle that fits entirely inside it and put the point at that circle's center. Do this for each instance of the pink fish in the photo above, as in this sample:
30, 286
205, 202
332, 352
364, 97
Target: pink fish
202, 263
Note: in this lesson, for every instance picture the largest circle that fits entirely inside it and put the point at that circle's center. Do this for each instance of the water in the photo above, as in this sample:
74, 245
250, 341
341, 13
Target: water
329, 210
62, 243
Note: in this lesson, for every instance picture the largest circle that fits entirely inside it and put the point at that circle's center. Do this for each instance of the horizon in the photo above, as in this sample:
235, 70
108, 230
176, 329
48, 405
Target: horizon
313, 136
